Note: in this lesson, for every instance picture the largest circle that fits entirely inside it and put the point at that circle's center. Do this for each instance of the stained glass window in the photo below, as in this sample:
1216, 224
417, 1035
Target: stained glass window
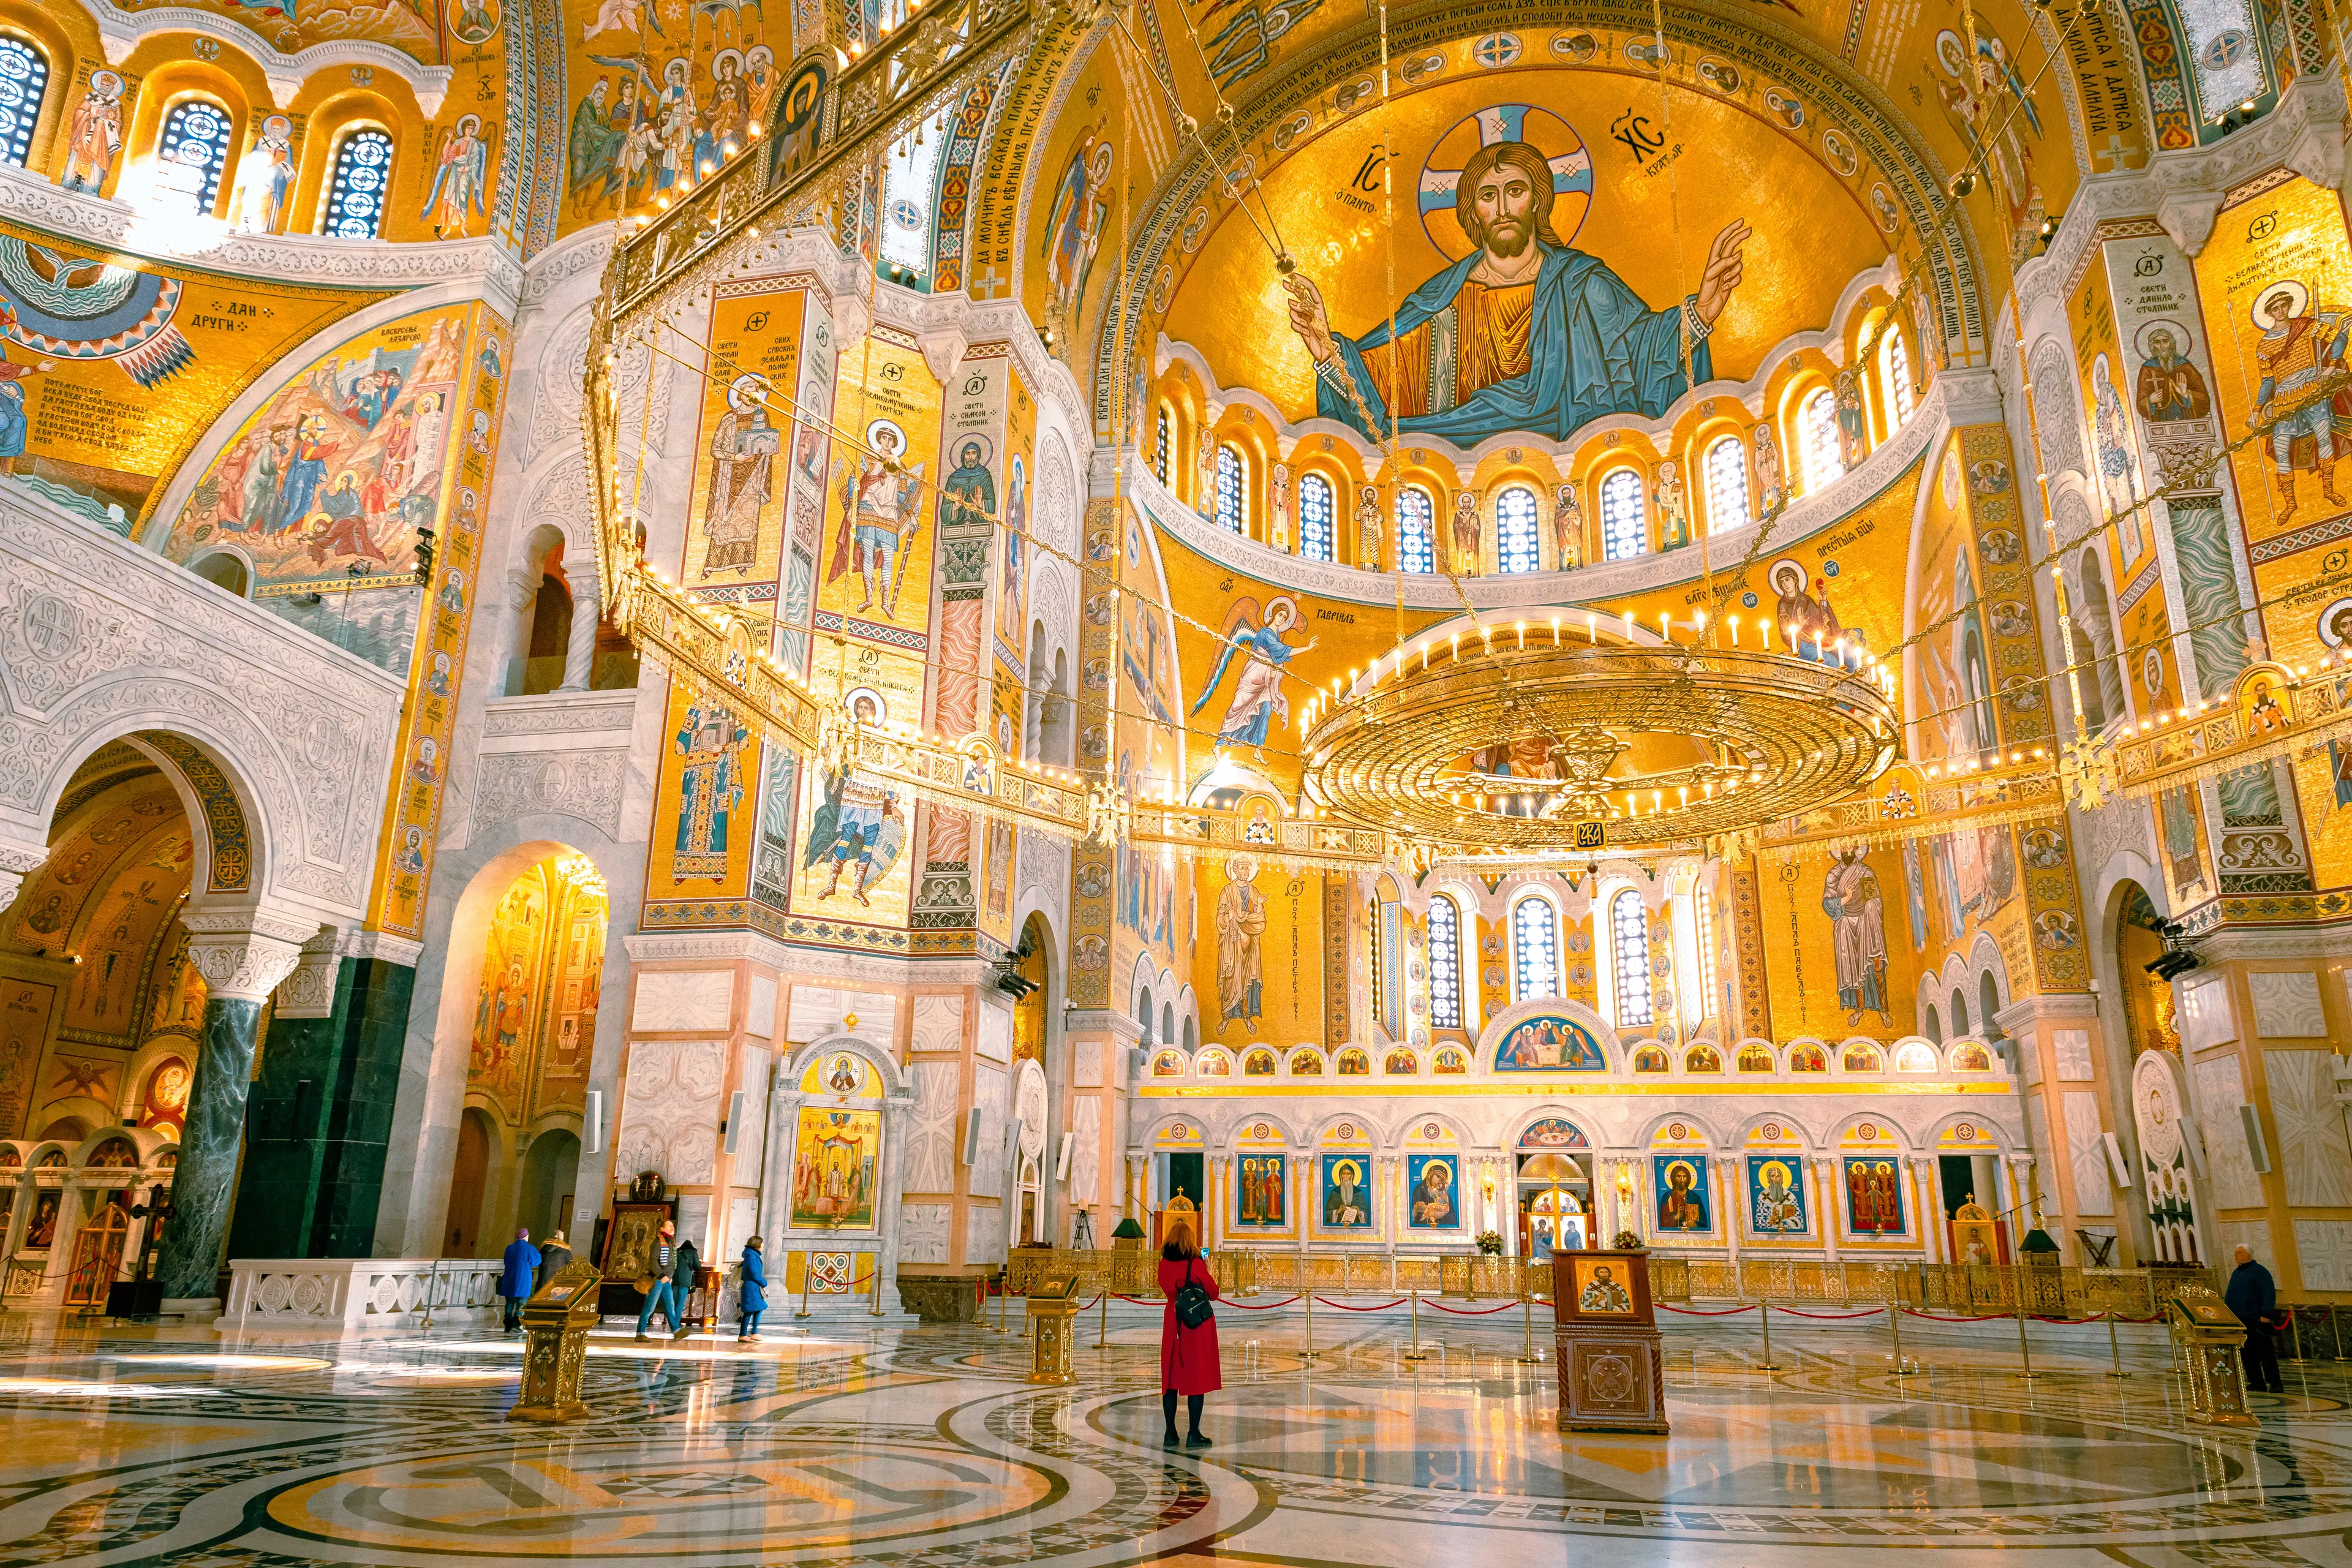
190, 156
1515, 535
1535, 934
1817, 440
1444, 963
1629, 939
1315, 516
1726, 484
1624, 518
355, 195
1233, 501
1416, 529
24, 81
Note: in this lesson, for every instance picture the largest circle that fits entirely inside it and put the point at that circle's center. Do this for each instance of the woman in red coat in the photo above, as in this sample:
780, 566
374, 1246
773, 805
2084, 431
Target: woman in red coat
1188, 1357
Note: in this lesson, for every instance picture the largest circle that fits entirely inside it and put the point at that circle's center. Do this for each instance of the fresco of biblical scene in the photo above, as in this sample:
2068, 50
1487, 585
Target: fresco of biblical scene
1260, 1188
661, 92
1874, 1196
1549, 1045
1776, 1196
1683, 1195
1433, 1192
836, 1162
324, 489
1347, 1195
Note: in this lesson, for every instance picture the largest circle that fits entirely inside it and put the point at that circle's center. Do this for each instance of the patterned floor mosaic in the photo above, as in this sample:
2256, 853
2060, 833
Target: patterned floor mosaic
925, 1448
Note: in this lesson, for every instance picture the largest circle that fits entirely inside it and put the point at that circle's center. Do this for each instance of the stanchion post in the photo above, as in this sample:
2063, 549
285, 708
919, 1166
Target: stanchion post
1764, 1316
1309, 1354
1528, 1356
2335, 1331
1004, 1299
874, 1289
432, 1283
2114, 1350
1416, 1352
2024, 1350
1895, 1329
808, 1267
1102, 1329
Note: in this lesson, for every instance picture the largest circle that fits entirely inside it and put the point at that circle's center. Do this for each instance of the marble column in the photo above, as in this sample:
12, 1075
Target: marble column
1734, 1202
242, 955
1825, 1183
579, 653
1930, 1205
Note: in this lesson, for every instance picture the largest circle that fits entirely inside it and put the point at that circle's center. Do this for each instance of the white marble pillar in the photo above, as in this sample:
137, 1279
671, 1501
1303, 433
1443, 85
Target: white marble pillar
1734, 1202
1825, 1185
1930, 1205
579, 653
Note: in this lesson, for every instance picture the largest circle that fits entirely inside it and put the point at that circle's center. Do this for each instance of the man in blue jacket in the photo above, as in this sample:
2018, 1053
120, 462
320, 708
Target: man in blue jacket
2252, 1295
515, 1279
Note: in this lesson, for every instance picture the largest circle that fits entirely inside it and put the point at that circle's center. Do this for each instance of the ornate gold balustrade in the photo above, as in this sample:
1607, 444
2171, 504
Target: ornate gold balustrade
1960, 1290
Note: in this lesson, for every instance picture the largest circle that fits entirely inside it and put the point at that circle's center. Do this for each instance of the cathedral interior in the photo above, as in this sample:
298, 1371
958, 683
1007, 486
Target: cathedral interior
860, 652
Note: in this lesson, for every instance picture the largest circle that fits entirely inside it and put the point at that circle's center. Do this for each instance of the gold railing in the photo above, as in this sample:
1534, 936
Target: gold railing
1960, 1290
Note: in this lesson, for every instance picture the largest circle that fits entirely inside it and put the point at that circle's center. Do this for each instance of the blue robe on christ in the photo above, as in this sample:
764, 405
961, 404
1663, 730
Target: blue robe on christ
1596, 349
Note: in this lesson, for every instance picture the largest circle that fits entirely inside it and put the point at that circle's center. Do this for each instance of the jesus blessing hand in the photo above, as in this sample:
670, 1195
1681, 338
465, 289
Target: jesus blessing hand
1528, 333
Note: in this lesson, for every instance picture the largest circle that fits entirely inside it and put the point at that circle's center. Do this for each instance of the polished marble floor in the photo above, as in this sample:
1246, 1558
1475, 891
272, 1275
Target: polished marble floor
925, 1448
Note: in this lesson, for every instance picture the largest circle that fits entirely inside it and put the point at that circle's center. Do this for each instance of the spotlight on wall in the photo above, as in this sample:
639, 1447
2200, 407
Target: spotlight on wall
1009, 978
2172, 965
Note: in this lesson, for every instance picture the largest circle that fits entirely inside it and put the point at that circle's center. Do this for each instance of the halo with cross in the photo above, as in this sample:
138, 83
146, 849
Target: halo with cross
1563, 149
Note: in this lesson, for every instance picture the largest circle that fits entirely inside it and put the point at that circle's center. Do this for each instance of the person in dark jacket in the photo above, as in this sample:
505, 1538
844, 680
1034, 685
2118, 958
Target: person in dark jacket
553, 1256
659, 1262
751, 1298
2252, 1295
1189, 1364
517, 1278
681, 1285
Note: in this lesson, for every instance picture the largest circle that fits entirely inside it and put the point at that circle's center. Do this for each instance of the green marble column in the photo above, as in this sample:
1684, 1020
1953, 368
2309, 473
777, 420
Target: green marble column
188, 1263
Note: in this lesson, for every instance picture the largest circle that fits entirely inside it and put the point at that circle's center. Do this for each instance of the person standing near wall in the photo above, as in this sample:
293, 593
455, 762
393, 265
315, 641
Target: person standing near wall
517, 1277
1189, 1363
751, 1299
2253, 1296
553, 1258
659, 1264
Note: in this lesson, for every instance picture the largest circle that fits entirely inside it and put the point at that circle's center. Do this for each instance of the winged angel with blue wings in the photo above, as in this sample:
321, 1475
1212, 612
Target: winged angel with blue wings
1258, 696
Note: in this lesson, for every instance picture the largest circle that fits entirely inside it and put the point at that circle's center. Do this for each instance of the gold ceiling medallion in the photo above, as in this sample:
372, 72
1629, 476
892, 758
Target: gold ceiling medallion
1553, 740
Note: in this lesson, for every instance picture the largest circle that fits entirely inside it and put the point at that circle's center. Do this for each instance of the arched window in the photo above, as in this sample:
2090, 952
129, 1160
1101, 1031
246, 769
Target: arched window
1629, 950
1726, 484
1159, 443
1416, 521
1516, 538
223, 570
1959, 1015
1535, 937
1817, 440
1316, 516
23, 82
1232, 496
1708, 1005
1896, 363
190, 156
355, 192
1624, 517
1444, 963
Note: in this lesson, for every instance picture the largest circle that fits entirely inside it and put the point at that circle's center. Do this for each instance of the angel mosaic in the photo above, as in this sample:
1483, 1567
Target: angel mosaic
1258, 698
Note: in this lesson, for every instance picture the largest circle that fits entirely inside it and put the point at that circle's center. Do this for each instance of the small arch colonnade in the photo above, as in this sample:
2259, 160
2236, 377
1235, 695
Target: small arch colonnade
66, 1224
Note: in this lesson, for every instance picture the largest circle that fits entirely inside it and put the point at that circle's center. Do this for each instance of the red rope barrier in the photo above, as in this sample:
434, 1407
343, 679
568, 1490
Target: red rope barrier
1836, 1317
1342, 1307
1268, 1306
1702, 1312
1472, 1312
1938, 1318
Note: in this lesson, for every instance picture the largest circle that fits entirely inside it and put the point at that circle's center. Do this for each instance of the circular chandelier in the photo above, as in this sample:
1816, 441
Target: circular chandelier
1536, 738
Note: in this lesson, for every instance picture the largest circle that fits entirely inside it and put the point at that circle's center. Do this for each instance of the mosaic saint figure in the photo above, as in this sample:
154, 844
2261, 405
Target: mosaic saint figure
858, 823
710, 787
1241, 922
1567, 528
2302, 346
1681, 1206
1258, 696
968, 495
881, 519
459, 179
742, 459
1771, 482
1603, 1293
1368, 528
1853, 423
1545, 338
599, 129
1466, 532
1075, 224
94, 134
1674, 509
1779, 1210
2171, 386
1850, 896
1432, 1197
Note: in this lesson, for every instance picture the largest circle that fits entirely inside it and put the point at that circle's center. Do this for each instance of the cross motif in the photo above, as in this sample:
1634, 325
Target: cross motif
990, 283
2116, 151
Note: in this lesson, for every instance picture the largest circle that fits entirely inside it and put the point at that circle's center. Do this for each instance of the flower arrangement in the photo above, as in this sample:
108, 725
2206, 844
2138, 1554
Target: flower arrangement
1490, 1243
1628, 1241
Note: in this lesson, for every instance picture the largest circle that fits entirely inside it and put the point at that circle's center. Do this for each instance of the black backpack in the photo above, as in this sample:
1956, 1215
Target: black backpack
1192, 1305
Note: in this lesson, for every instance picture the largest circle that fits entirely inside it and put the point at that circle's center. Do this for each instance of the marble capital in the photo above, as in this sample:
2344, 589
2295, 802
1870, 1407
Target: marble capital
244, 953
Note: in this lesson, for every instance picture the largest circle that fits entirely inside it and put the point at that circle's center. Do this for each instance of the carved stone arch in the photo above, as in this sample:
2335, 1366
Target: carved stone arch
2057, 410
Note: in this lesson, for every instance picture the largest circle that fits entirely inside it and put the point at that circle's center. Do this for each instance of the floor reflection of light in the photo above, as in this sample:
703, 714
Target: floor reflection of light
82, 1388
224, 1359
625, 1352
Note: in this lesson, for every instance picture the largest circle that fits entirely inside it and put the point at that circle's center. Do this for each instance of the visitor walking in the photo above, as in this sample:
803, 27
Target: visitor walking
681, 1286
751, 1294
1188, 1338
517, 1278
659, 1265
2252, 1295
553, 1258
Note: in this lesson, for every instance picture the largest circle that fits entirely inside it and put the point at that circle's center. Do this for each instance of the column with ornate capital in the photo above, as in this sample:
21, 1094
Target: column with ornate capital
242, 954
1825, 1183
1929, 1191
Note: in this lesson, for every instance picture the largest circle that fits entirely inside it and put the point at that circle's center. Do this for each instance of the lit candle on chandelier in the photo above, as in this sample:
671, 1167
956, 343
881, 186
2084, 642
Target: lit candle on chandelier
1592, 627
1733, 621
1628, 623
1555, 631
1665, 627
1521, 628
